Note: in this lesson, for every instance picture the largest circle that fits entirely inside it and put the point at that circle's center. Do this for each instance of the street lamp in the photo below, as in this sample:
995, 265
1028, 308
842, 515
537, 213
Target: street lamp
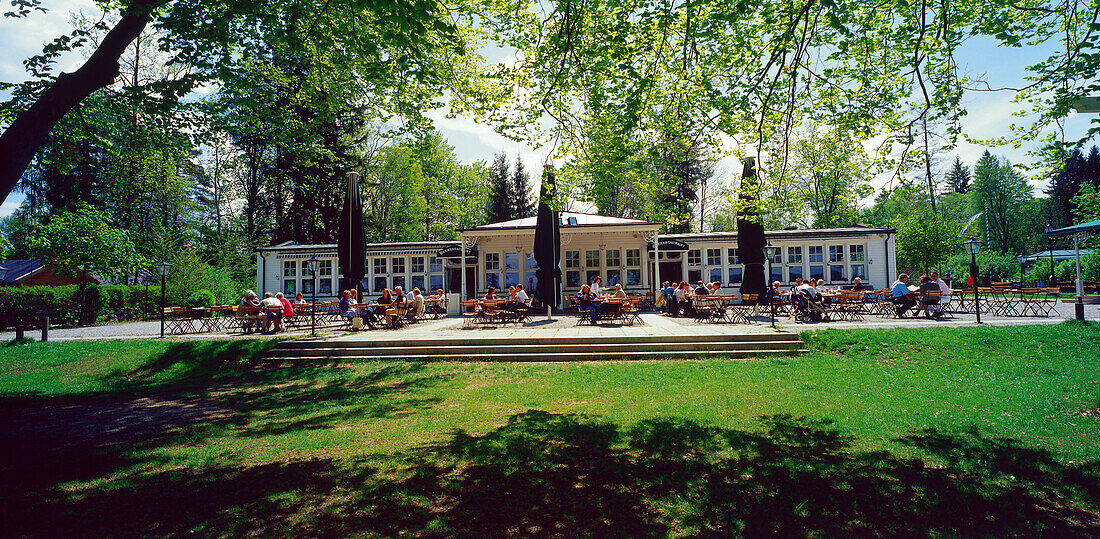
769, 252
973, 247
1050, 250
163, 269
312, 264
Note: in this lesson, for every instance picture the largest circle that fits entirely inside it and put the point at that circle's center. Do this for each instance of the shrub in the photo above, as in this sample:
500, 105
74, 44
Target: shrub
200, 298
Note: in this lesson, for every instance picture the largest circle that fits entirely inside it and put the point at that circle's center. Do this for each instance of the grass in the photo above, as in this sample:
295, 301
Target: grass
872, 432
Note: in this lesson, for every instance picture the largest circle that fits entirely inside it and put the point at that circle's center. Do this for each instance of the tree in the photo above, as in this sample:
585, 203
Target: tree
1000, 192
925, 240
1086, 204
828, 177
1064, 186
84, 242
522, 202
393, 197
500, 186
958, 179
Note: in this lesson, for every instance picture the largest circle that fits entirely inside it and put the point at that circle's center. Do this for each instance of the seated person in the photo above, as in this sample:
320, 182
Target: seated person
928, 303
702, 290
945, 288
596, 283
669, 294
492, 293
715, 288
399, 303
586, 302
522, 297
902, 298
417, 305
288, 309
299, 299
619, 292
437, 303
272, 309
347, 305
684, 297
243, 309
857, 285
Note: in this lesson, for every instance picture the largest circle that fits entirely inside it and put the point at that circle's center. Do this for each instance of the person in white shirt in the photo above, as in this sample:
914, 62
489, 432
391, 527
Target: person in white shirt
945, 290
596, 286
521, 295
619, 292
272, 316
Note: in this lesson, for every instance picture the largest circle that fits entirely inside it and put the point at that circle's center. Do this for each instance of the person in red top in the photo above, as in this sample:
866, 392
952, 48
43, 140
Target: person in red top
288, 309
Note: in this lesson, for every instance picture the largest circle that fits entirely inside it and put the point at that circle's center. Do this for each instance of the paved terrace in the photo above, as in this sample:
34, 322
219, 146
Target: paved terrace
565, 326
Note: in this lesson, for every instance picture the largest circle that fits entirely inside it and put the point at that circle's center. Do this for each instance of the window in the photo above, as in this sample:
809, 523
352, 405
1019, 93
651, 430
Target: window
511, 261
398, 266
715, 274
778, 258
815, 254
732, 257
418, 282
380, 283
511, 278
633, 277
614, 277
858, 270
529, 261
307, 287
735, 275
290, 268
856, 252
777, 273
836, 273
399, 280
817, 272
694, 276
492, 261
592, 259
324, 269
492, 279
572, 259
613, 260
289, 287
633, 258
435, 264
379, 266
794, 255
590, 277
417, 263
324, 287
794, 272
695, 257
836, 253
714, 257
573, 279
435, 282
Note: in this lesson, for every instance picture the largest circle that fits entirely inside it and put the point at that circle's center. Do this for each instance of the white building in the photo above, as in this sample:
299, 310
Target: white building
618, 250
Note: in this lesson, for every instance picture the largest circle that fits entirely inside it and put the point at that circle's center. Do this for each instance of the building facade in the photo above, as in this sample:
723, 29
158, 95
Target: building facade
626, 251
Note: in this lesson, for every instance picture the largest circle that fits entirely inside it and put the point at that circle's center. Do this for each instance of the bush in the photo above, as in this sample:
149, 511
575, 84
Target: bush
1004, 267
201, 298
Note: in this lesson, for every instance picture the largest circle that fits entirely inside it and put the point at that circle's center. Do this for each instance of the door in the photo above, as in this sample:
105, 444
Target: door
454, 286
672, 272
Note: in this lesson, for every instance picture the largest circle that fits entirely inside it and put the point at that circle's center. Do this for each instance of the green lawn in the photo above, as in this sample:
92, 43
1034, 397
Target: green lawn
972, 431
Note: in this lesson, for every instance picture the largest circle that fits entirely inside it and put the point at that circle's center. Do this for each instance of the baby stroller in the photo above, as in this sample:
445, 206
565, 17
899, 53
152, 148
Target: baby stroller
809, 307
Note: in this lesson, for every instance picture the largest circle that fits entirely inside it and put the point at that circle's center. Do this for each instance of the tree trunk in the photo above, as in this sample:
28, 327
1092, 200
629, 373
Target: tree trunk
21, 140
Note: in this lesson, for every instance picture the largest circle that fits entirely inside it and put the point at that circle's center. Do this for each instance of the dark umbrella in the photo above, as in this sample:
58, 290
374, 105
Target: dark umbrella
750, 233
352, 251
548, 243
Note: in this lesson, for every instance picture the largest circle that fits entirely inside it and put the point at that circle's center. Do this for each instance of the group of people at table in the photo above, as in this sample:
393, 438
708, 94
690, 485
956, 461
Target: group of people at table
680, 298
268, 314
591, 299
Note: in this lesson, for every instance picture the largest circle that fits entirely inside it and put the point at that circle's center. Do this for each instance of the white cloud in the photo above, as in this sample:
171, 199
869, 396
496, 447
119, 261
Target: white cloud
23, 37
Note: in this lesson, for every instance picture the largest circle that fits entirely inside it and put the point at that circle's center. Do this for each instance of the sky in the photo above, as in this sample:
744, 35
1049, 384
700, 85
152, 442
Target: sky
990, 113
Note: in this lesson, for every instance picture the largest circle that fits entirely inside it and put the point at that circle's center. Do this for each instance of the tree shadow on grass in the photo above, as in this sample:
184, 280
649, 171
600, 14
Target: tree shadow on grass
189, 394
544, 474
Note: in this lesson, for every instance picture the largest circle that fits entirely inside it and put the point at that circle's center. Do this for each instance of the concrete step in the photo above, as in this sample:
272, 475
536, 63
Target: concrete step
291, 350
557, 356
367, 342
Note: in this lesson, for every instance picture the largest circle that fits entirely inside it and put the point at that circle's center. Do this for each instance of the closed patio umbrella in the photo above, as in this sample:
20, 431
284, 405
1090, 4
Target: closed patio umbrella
750, 233
352, 250
547, 243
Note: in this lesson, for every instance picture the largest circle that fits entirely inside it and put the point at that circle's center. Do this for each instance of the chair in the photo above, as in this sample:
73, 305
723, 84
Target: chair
470, 312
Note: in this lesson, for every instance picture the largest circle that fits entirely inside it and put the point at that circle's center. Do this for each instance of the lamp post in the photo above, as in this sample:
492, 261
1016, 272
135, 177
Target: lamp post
973, 247
1050, 251
769, 253
163, 269
312, 264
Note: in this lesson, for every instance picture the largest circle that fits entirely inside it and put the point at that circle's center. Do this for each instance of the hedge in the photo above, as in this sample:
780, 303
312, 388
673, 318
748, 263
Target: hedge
61, 304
